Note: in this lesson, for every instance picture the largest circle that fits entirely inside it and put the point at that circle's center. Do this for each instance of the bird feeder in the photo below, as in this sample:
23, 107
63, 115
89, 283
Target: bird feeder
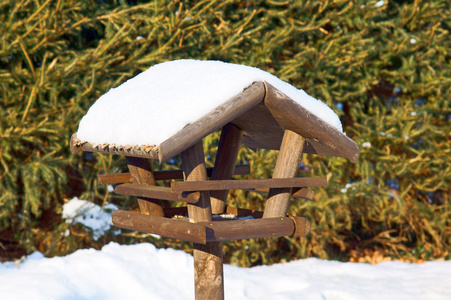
261, 116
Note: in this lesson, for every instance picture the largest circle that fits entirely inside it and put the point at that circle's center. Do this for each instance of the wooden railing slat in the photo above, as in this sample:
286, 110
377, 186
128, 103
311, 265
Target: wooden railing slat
212, 185
162, 175
156, 192
213, 231
303, 193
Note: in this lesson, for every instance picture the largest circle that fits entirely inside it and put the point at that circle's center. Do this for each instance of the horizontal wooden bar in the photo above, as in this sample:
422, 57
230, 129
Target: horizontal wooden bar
113, 178
213, 231
156, 192
243, 212
172, 228
256, 228
303, 193
162, 175
211, 185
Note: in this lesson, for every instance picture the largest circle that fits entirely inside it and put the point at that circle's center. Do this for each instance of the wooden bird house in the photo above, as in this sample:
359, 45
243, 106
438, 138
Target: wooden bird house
261, 116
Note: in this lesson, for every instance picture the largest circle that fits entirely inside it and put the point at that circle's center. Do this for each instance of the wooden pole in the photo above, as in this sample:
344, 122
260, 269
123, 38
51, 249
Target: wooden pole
208, 263
141, 173
286, 167
229, 145
193, 165
208, 271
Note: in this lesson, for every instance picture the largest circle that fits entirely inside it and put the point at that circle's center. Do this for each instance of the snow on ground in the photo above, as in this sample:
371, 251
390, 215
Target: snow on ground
159, 102
92, 216
144, 272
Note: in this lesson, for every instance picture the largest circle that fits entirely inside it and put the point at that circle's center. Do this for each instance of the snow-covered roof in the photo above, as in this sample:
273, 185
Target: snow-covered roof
180, 102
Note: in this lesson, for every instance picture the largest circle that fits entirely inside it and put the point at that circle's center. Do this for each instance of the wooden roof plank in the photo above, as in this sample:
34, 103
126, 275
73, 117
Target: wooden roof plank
293, 116
223, 114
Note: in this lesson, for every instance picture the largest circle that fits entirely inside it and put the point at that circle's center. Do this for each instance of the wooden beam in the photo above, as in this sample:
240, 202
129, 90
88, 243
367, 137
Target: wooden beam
303, 193
322, 137
208, 260
223, 114
156, 192
172, 228
162, 175
256, 228
210, 233
193, 164
141, 174
212, 185
286, 167
229, 145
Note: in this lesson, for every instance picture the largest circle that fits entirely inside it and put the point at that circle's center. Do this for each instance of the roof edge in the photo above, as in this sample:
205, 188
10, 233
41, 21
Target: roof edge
76, 145
220, 116
322, 137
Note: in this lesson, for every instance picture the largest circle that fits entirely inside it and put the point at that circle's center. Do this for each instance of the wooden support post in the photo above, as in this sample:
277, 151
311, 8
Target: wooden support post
208, 263
193, 164
141, 173
229, 145
286, 167
208, 271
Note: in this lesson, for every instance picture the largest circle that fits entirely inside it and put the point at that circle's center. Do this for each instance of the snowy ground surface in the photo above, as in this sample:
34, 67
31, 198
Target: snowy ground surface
144, 272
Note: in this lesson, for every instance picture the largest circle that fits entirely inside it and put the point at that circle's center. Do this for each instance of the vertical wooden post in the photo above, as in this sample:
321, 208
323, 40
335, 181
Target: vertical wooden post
141, 173
208, 262
286, 167
229, 145
193, 165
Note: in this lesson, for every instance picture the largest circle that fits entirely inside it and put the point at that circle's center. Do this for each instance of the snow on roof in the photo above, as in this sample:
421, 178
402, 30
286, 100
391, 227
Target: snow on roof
151, 107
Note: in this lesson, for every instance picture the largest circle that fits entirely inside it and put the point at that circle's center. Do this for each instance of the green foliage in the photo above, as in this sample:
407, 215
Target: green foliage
383, 68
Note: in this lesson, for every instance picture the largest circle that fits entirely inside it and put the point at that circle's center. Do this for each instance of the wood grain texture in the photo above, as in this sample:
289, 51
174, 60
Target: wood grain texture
223, 114
208, 264
286, 167
156, 192
229, 145
172, 228
301, 226
214, 231
162, 175
208, 271
322, 137
141, 174
193, 164
212, 185
303, 193
260, 129
250, 228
